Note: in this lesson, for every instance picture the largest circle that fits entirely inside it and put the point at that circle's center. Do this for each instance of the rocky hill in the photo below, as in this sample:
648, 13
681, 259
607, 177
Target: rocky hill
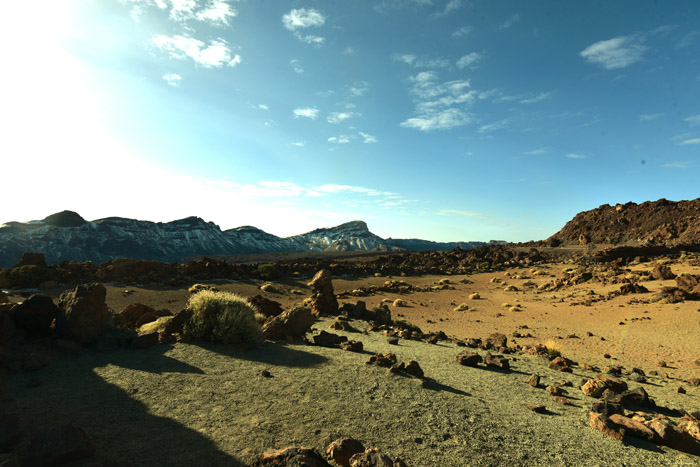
67, 236
652, 223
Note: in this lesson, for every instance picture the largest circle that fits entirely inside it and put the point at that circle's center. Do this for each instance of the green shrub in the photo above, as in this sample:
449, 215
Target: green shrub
28, 276
224, 318
269, 272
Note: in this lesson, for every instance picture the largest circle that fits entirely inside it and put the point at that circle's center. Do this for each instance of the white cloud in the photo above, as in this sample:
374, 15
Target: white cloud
538, 98
537, 152
412, 60
349, 51
342, 139
262, 107
182, 10
296, 66
688, 39
217, 13
332, 188
576, 156
650, 117
216, 54
173, 79
463, 31
441, 120
337, 117
499, 125
690, 141
468, 60
612, 54
359, 88
450, 6
692, 121
306, 112
457, 212
510, 21
298, 144
300, 19
368, 138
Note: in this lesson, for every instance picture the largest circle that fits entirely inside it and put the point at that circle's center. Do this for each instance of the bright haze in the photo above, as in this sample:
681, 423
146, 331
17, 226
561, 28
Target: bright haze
444, 120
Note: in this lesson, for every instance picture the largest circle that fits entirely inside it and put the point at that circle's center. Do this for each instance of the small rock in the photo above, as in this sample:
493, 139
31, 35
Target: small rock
291, 456
266, 374
327, 339
607, 408
342, 449
694, 381
496, 361
414, 369
468, 358
560, 364
681, 390
661, 364
562, 400
393, 340
537, 408
534, 381
352, 346
554, 390
371, 458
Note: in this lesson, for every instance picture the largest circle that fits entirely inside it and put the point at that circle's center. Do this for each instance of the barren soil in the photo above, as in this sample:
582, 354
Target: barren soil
203, 404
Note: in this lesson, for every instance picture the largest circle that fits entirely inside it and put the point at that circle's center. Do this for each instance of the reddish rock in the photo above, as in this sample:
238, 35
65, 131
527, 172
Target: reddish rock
323, 299
537, 408
562, 400
607, 408
414, 369
554, 390
84, 313
144, 341
633, 398
662, 272
133, 312
291, 324
473, 343
674, 437
468, 358
178, 322
36, 314
58, 445
496, 361
291, 457
383, 360
371, 458
691, 426
497, 340
342, 449
352, 346
265, 306
689, 284
560, 364
342, 326
602, 423
634, 428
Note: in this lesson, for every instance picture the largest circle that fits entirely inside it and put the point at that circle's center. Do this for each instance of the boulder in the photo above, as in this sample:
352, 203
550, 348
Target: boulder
291, 324
176, 324
383, 360
674, 437
31, 259
291, 457
58, 445
84, 314
36, 314
342, 449
265, 306
497, 340
328, 339
607, 408
634, 428
690, 284
468, 358
662, 272
602, 423
323, 300
560, 364
371, 458
496, 361
132, 313
352, 346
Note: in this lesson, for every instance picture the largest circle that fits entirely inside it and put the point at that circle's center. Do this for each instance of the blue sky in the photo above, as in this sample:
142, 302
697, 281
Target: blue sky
438, 119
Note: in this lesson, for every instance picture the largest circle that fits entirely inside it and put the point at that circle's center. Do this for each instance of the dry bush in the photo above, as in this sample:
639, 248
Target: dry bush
224, 318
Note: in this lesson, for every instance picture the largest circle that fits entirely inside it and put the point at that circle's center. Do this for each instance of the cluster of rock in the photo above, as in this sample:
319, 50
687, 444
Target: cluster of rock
609, 416
345, 452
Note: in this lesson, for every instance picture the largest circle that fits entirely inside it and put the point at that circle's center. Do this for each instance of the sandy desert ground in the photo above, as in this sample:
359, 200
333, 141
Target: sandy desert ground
205, 404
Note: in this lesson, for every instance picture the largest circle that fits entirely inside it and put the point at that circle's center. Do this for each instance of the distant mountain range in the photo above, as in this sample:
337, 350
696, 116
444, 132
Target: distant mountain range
67, 236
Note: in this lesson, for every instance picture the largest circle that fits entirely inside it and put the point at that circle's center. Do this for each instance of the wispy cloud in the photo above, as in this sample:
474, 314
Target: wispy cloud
615, 53
173, 79
693, 120
384, 6
688, 142
261, 107
217, 13
368, 138
342, 139
498, 125
306, 112
299, 144
215, 55
300, 19
509, 22
468, 60
349, 51
463, 31
440, 120
458, 212
688, 40
537, 152
412, 60
450, 6
543, 96
678, 165
296, 66
337, 117
358, 88
650, 117
332, 188
572, 155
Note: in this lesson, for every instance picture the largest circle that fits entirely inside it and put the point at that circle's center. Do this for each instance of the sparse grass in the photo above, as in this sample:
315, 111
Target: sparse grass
474, 296
269, 272
224, 318
399, 303
155, 326
553, 349
28, 276
462, 307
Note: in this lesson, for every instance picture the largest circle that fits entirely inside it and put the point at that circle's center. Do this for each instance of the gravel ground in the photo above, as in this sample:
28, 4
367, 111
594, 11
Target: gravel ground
204, 404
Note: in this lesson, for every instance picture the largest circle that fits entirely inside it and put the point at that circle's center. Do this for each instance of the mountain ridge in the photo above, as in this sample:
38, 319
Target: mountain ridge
68, 236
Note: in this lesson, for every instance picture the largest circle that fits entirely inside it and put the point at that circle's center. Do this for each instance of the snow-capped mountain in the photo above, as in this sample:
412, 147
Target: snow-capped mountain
67, 236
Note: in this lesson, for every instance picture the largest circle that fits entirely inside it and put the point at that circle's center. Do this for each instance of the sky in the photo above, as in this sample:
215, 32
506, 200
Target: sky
447, 120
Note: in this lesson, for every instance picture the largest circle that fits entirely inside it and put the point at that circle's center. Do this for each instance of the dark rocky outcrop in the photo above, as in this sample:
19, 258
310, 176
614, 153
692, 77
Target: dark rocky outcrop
84, 314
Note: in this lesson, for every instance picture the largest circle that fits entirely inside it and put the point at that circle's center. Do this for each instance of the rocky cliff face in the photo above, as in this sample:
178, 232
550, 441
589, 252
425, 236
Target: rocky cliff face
662, 222
67, 236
